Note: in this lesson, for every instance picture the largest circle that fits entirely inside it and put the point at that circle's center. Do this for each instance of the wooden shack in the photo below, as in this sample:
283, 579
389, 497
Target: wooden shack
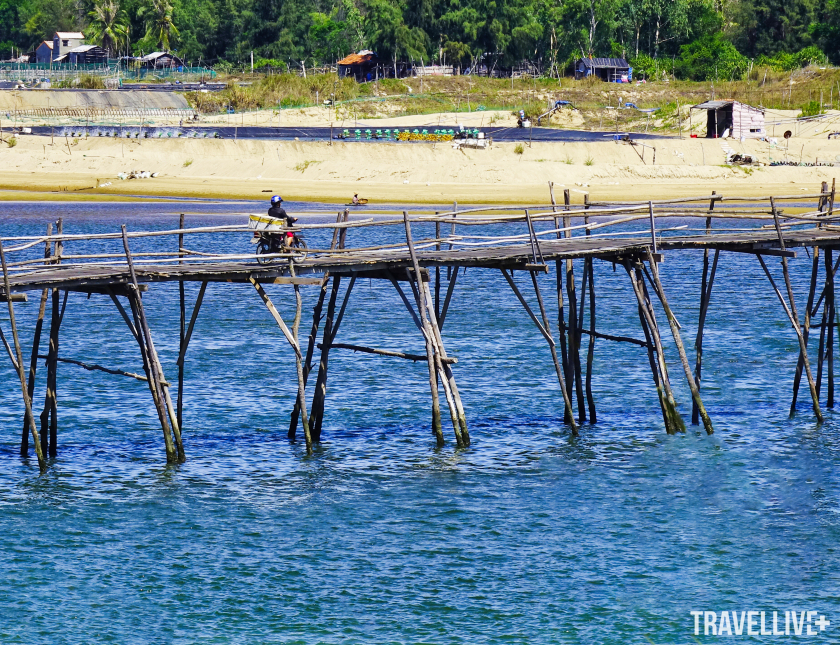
611, 70
729, 118
361, 66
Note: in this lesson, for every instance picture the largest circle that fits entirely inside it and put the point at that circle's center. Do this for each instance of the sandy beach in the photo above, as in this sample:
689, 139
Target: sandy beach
45, 168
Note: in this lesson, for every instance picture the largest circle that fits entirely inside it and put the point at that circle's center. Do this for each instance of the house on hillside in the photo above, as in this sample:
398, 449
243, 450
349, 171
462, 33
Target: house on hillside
611, 70
728, 118
44, 52
361, 66
64, 41
160, 60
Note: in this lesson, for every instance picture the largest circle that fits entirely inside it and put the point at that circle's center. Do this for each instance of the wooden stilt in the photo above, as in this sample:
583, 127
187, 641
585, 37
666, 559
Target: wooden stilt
151, 364
657, 377
334, 326
574, 336
182, 329
36, 342
321, 380
831, 319
292, 340
695, 392
794, 321
821, 349
674, 422
794, 315
437, 427
437, 271
299, 361
568, 416
561, 319
705, 292
450, 288
313, 332
810, 310
590, 354
447, 376
49, 417
27, 402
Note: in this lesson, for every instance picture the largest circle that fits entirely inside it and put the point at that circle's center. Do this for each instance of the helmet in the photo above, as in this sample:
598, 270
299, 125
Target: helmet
276, 199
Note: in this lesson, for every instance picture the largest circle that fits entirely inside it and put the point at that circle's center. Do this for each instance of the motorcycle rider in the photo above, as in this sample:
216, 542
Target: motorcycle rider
278, 212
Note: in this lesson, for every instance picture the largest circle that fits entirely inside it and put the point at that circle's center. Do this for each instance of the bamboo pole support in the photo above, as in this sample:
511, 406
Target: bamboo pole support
831, 317
545, 330
313, 332
319, 396
150, 362
445, 365
36, 342
793, 314
675, 332
561, 318
590, 354
810, 310
49, 416
574, 337
27, 403
705, 293
293, 342
671, 416
437, 427
795, 324
299, 363
182, 328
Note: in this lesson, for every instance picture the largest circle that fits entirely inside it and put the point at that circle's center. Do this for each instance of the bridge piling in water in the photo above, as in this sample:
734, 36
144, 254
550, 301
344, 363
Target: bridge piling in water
126, 274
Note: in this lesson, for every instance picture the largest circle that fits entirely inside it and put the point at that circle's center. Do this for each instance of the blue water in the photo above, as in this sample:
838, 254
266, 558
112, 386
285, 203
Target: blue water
529, 536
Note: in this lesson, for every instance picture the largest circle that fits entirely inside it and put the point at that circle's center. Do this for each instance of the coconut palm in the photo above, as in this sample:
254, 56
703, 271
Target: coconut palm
108, 26
157, 16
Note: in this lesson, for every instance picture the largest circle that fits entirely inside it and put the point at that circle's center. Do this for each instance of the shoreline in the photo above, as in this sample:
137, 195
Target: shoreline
86, 170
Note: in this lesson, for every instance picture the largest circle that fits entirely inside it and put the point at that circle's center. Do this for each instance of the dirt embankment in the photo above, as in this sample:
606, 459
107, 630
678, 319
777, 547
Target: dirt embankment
42, 169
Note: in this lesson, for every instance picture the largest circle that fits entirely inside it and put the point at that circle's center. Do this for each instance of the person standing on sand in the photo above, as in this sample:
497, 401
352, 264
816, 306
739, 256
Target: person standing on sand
356, 199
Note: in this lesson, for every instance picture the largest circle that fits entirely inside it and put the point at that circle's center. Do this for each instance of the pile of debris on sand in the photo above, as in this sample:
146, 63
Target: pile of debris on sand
137, 174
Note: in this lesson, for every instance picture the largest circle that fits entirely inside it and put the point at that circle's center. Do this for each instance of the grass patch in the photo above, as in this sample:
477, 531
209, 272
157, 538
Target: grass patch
303, 165
589, 161
519, 149
188, 163
12, 142
568, 160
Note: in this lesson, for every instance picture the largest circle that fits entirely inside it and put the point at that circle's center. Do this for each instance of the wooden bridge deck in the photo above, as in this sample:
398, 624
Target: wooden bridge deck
511, 256
124, 275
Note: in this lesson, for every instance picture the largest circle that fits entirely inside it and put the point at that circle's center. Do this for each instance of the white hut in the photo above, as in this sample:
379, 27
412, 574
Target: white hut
732, 119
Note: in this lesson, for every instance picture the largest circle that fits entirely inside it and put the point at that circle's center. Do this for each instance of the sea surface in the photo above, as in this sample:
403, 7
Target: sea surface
528, 536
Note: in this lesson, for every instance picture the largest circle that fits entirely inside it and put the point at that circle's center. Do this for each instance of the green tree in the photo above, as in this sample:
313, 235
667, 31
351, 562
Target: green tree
771, 26
389, 36
157, 18
108, 26
710, 58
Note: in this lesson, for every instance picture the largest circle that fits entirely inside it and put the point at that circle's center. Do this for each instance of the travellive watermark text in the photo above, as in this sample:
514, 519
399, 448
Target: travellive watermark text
759, 623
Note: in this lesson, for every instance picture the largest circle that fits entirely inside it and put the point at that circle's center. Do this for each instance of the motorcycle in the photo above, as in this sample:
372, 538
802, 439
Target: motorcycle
286, 243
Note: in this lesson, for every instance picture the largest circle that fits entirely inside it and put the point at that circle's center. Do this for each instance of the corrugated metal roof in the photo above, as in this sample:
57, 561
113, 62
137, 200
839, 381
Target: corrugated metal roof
82, 48
721, 103
605, 62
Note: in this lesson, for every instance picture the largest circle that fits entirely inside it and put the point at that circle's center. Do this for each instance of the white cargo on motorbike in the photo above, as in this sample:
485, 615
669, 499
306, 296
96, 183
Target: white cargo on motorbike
265, 224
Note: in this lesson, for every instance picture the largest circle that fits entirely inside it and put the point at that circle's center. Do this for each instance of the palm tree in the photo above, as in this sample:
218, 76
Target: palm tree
157, 16
108, 25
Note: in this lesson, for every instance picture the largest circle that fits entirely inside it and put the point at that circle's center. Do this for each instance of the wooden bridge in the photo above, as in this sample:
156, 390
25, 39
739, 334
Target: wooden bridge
770, 226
